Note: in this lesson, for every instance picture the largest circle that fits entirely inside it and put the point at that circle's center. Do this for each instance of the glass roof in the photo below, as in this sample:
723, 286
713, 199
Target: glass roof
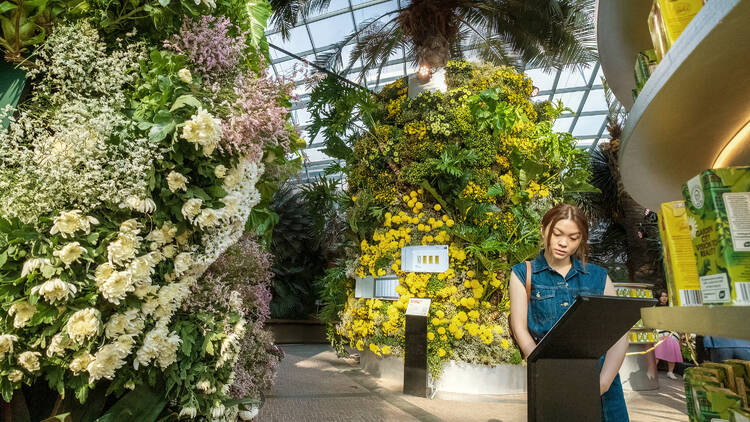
580, 89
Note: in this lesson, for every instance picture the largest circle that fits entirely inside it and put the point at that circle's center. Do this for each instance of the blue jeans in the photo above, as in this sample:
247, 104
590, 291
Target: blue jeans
613, 401
724, 353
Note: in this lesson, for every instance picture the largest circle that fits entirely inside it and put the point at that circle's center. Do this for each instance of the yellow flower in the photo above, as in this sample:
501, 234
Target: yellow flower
354, 198
360, 345
375, 349
441, 330
441, 352
437, 207
386, 350
504, 343
430, 336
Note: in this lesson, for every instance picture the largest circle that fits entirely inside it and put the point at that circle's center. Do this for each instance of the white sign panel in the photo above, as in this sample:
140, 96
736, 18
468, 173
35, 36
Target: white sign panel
425, 259
364, 287
385, 287
418, 306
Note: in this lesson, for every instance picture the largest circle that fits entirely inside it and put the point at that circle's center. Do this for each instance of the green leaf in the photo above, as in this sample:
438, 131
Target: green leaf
185, 100
3, 258
258, 12
496, 190
6, 6
142, 404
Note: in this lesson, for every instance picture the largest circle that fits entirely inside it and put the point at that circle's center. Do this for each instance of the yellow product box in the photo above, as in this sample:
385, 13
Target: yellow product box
718, 210
667, 20
681, 271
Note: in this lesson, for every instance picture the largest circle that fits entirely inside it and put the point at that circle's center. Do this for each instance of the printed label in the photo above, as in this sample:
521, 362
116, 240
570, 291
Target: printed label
715, 288
743, 291
690, 297
696, 191
738, 214
418, 306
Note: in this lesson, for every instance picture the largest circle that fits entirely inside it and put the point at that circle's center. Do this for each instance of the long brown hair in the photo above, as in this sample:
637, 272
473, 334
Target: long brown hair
568, 212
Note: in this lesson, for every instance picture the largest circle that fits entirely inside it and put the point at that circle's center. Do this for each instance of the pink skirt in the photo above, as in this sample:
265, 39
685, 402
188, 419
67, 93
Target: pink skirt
669, 349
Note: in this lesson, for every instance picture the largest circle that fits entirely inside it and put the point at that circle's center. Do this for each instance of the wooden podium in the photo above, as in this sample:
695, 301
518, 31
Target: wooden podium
563, 369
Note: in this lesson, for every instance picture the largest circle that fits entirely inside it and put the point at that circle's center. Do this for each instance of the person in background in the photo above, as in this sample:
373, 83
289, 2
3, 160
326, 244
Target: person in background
721, 348
558, 274
669, 348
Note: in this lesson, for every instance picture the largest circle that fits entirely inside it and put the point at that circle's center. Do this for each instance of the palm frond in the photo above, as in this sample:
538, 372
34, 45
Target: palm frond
287, 13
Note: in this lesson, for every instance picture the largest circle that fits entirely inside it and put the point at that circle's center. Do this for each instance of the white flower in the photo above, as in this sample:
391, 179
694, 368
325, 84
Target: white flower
57, 345
176, 181
220, 171
158, 344
190, 412
163, 235
70, 253
23, 312
129, 322
203, 130
103, 272
34, 264
69, 222
182, 263
83, 324
81, 362
208, 218
232, 178
191, 208
110, 358
15, 375
55, 289
117, 286
6, 344
122, 250
142, 268
29, 361
218, 410
185, 75
130, 227
146, 206
203, 385
248, 415
169, 251
183, 238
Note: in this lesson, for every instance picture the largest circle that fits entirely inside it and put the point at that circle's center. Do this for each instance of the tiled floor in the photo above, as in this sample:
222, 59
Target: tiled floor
313, 385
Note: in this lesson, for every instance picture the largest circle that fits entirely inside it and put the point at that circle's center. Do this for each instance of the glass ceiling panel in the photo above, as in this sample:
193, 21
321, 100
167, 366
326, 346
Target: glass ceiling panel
575, 87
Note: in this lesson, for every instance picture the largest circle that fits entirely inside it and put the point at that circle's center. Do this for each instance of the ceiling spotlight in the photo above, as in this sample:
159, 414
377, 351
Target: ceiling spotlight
535, 91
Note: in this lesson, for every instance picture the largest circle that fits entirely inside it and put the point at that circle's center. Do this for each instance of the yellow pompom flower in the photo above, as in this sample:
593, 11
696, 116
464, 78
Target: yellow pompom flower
504, 343
430, 336
441, 331
437, 207
386, 350
441, 352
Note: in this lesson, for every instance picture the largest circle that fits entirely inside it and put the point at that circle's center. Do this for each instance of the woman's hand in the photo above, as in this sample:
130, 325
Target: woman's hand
603, 385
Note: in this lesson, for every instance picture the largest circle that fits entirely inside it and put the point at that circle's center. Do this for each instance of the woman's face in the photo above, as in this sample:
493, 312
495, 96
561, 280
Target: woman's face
664, 298
565, 239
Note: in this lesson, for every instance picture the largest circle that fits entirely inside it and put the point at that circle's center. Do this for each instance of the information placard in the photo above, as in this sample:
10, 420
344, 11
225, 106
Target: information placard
418, 306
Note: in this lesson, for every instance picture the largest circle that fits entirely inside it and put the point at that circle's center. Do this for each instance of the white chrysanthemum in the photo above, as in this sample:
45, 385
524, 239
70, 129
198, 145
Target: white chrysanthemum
248, 415
231, 205
182, 263
185, 76
169, 251
218, 410
158, 344
83, 324
54, 290
203, 130
130, 227
144, 289
34, 264
16, 375
103, 272
176, 181
190, 412
57, 345
23, 312
129, 322
192, 208
142, 268
220, 171
69, 222
203, 385
29, 361
163, 235
207, 219
81, 362
123, 249
117, 286
233, 178
6, 344
70, 253
146, 206
109, 359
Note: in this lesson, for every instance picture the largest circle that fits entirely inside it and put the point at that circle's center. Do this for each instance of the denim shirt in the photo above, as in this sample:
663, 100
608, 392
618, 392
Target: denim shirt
552, 294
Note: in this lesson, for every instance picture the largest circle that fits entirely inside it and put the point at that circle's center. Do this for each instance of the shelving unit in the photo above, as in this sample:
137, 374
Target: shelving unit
721, 321
696, 101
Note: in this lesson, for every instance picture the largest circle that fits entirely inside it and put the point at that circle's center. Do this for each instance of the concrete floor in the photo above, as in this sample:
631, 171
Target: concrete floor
314, 385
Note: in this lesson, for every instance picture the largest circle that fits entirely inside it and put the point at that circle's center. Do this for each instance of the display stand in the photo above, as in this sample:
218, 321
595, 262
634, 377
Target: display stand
415, 347
563, 369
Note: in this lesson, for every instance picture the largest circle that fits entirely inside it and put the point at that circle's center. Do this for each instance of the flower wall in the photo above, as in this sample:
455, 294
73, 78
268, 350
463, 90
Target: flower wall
149, 142
474, 168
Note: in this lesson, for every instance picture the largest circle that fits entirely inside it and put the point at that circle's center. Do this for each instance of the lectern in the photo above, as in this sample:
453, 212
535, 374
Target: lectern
563, 369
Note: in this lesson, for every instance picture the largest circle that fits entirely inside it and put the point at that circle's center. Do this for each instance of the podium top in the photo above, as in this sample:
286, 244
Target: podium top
590, 327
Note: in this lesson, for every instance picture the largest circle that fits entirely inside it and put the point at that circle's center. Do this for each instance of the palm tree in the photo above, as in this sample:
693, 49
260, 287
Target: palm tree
628, 229
539, 33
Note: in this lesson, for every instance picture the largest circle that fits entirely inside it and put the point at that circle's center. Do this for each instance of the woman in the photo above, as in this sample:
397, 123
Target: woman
558, 274
669, 348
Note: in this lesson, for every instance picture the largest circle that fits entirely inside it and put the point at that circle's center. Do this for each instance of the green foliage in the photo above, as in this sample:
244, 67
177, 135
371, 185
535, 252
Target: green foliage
494, 114
332, 290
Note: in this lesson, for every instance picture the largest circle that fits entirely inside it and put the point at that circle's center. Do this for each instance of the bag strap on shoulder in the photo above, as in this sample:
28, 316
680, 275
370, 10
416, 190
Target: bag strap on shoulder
528, 281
